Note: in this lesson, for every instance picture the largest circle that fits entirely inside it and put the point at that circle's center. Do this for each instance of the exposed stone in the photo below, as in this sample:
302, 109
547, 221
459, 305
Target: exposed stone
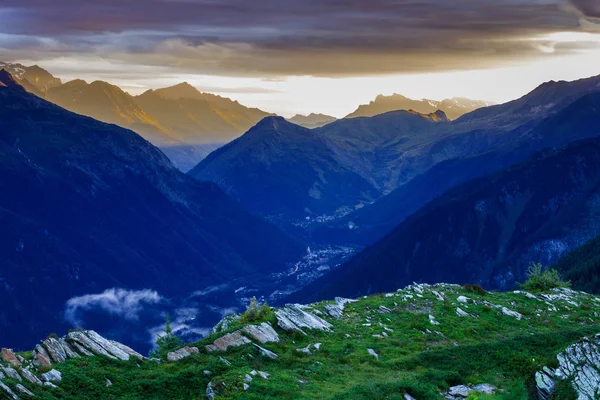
408, 397
317, 346
248, 378
225, 323
485, 388
511, 313
12, 373
337, 310
224, 361
305, 350
293, 318
246, 386
69, 350
23, 390
9, 356
460, 390
82, 339
41, 357
108, 383
462, 299
384, 310
263, 333
432, 320
181, 353
50, 384
30, 376
265, 352
126, 349
461, 313
210, 393
108, 345
80, 349
373, 353
264, 375
54, 349
206, 372
231, 339
579, 363
9, 391
52, 376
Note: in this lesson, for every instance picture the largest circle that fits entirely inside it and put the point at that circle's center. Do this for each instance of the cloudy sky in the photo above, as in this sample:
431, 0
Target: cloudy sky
291, 56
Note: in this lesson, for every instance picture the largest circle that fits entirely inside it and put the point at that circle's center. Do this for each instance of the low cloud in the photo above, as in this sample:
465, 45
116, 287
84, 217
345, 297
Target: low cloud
124, 303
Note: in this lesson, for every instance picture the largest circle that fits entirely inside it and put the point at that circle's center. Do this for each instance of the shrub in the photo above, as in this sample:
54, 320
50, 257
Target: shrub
540, 279
564, 391
256, 313
474, 288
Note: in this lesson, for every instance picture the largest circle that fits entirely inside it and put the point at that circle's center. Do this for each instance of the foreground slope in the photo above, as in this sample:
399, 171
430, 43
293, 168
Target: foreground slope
87, 206
426, 342
485, 231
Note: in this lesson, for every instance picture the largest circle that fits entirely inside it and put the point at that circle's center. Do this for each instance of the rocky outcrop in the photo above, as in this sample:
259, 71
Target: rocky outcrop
461, 392
337, 310
182, 353
9, 356
579, 364
295, 317
263, 333
52, 376
231, 339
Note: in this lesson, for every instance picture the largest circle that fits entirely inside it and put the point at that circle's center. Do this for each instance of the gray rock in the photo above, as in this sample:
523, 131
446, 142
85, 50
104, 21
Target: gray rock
181, 353
69, 350
460, 391
265, 352
9, 356
210, 393
317, 346
246, 386
580, 363
462, 299
108, 383
8, 391
225, 323
55, 350
384, 310
293, 318
12, 373
81, 339
108, 345
50, 384
80, 349
126, 349
25, 373
263, 333
224, 361
461, 313
373, 353
511, 313
41, 357
23, 390
248, 378
52, 376
485, 388
408, 397
305, 350
233, 339
264, 375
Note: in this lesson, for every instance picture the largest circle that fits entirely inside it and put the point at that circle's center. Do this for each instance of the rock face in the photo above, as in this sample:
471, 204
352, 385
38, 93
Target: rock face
77, 344
263, 333
181, 353
294, 317
9, 356
579, 363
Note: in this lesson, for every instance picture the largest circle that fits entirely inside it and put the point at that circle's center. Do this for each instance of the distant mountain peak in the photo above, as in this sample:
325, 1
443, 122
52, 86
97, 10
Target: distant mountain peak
182, 90
7, 80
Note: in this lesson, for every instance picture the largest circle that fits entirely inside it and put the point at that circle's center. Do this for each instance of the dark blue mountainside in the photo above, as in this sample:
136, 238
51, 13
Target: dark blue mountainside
484, 141
487, 231
87, 206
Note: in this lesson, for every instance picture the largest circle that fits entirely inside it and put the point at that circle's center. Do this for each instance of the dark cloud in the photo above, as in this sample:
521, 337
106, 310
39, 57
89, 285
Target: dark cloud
285, 37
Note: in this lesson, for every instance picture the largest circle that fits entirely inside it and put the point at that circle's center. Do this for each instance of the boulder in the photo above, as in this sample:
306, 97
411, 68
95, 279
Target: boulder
511, 313
293, 318
8, 391
52, 376
462, 299
11, 373
263, 333
41, 357
265, 352
54, 349
373, 353
210, 393
461, 313
23, 390
580, 363
9, 356
231, 339
27, 374
459, 391
181, 353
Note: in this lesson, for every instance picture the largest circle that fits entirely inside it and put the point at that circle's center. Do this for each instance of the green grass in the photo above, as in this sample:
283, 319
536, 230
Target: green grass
417, 357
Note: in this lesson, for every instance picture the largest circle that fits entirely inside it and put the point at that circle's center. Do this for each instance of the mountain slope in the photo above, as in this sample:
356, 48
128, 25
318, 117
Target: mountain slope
108, 103
462, 153
33, 78
312, 120
454, 107
486, 231
581, 266
281, 168
88, 206
198, 118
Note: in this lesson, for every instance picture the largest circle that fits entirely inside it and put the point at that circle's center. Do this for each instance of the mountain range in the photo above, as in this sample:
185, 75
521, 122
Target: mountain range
489, 230
453, 108
312, 120
89, 206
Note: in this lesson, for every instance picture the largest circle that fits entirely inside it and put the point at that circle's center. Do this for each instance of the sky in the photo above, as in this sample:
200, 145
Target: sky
289, 56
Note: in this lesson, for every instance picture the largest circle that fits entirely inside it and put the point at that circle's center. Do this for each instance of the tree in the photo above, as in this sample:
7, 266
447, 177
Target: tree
540, 279
166, 342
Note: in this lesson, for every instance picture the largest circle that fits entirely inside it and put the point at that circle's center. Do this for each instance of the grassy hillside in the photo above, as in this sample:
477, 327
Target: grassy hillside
423, 347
